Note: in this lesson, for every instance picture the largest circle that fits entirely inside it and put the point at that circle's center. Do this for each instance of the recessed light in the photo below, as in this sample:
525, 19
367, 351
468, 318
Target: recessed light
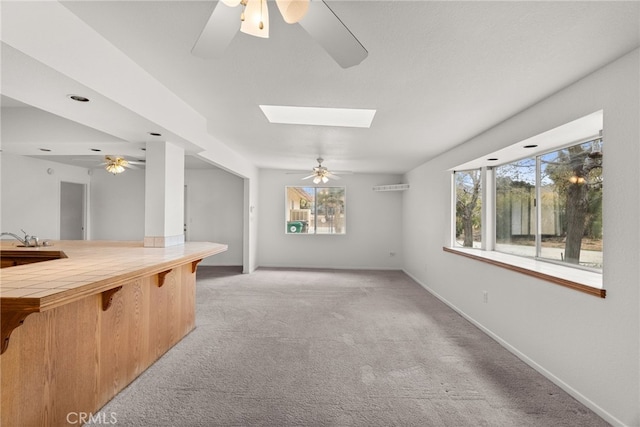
95, 149
155, 134
531, 146
45, 149
492, 159
78, 98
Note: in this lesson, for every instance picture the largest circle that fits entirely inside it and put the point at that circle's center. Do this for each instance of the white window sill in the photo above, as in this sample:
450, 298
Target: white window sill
581, 280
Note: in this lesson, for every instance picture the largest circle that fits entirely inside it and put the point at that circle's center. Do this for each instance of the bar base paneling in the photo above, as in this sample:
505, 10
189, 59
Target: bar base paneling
75, 357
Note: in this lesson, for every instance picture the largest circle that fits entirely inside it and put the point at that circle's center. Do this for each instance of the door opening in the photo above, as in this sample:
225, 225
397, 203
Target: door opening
185, 219
72, 211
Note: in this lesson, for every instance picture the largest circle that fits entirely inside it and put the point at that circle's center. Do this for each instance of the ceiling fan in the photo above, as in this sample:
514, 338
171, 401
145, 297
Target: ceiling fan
315, 16
321, 174
116, 164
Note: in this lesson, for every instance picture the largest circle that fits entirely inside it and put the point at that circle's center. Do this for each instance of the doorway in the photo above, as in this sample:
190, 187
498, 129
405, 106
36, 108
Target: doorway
72, 211
185, 229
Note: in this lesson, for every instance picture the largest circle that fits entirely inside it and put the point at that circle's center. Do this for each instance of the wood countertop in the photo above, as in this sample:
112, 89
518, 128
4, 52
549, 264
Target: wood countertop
90, 267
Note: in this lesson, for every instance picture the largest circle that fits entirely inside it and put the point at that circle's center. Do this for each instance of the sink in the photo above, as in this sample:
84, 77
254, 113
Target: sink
12, 258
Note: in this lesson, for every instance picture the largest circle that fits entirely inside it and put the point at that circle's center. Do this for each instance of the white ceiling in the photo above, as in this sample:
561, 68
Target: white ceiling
438, 73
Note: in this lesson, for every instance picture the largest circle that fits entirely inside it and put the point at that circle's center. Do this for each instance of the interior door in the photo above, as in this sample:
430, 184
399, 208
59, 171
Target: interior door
72, 211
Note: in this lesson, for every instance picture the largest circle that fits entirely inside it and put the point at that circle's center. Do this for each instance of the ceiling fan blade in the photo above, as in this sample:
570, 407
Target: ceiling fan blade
220, 29
331, 176
310, 176
328, 30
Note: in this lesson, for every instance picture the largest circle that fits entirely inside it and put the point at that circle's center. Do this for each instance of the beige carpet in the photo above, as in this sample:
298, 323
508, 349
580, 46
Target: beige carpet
337, 348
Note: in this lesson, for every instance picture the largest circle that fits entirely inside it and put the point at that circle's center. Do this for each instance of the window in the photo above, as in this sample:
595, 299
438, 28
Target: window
468, 208
536, 206
315, 210
515, 207
546, 207
550, 206
571, 204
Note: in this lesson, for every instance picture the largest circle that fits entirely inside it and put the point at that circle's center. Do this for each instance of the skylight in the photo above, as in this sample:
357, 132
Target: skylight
317, 116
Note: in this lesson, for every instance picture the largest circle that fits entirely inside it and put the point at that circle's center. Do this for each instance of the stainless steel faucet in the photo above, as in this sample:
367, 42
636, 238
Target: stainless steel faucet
27, 241
15, 237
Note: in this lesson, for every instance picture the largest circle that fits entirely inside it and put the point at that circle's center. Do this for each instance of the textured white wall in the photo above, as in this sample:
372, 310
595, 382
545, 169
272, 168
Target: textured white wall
214, 209
590, 346
374, 226
214, 212
31, 197
117, 205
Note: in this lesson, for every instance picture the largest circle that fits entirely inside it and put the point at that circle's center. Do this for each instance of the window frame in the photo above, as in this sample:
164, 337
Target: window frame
538, 210
577, 277
316, 188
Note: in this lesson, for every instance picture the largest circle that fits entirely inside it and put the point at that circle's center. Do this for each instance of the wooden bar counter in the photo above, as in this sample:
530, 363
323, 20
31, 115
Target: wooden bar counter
82, 319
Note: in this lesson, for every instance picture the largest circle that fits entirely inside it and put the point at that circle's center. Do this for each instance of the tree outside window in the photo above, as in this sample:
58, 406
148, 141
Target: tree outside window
572, 178
468, 208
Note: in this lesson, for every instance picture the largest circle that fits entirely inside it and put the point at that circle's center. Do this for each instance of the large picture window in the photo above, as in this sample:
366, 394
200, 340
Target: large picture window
536, 206
550, 206
547, 207
315, 210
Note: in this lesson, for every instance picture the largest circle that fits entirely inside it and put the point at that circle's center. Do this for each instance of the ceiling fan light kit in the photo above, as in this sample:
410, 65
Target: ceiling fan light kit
315, 16
255, 18
115, 165
255, 14
319, 179
292, 11
321, 174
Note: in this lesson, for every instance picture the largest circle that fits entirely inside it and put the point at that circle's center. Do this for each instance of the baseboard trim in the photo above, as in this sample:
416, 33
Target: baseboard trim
317, 267
547, 374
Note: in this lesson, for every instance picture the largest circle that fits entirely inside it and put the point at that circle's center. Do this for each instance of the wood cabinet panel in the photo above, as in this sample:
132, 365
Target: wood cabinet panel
50, 371
76, 357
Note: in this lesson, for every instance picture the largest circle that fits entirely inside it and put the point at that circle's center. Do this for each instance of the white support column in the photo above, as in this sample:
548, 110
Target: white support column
164, 195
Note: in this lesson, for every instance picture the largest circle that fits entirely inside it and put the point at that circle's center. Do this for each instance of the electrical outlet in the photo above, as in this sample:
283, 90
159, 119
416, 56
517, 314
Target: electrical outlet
485, 297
